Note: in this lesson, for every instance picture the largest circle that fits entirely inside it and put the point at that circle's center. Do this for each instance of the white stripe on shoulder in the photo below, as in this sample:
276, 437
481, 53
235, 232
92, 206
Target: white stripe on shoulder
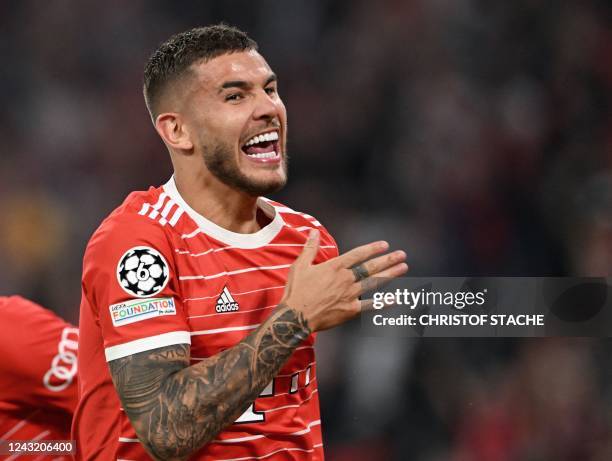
146, 344
167, 208
157, 206
154, 213
170, 208
145, 209
165, 211
176, 216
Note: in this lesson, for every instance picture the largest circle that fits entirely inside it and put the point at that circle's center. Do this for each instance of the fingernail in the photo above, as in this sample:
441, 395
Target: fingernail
384, 245
313, 233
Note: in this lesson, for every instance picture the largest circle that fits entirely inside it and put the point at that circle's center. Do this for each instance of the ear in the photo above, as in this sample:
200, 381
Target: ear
173, 131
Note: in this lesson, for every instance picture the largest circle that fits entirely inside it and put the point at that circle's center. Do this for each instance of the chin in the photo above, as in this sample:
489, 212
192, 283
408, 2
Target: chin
258, 188
254, 180
263, 182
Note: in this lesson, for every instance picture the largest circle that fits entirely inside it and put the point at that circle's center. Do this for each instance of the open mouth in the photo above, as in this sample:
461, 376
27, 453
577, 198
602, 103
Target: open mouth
263, 147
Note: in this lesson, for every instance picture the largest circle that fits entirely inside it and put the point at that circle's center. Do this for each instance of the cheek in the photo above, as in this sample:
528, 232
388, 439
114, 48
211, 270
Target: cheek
232, 129
219, 125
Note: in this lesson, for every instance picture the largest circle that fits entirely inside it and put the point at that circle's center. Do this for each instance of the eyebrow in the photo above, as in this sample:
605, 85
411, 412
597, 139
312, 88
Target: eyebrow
242, 84
271, 78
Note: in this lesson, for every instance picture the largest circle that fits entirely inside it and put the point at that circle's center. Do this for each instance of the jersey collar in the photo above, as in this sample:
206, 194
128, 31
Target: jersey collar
257, 239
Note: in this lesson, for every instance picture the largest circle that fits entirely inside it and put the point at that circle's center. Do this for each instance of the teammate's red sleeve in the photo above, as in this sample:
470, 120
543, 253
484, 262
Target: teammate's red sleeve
39, 357
131, 286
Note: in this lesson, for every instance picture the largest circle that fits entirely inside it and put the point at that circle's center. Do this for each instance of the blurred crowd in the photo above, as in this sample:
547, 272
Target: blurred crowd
475, 135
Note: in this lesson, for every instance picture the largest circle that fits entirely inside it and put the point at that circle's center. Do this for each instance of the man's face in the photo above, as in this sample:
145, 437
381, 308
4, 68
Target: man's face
238, 122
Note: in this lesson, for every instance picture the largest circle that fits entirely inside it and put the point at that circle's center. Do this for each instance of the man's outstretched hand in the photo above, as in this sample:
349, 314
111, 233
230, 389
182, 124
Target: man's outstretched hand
327, 294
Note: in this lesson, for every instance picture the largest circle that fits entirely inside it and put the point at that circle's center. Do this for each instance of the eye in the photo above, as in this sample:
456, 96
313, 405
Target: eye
271, 90
234, 97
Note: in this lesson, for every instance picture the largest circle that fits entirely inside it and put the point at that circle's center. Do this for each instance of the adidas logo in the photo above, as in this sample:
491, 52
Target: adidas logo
225, 302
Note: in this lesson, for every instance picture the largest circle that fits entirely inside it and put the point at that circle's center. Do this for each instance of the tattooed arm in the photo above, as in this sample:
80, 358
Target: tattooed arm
176, 408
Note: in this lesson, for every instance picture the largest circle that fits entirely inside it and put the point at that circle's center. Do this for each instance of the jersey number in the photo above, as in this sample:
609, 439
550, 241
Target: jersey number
253, 416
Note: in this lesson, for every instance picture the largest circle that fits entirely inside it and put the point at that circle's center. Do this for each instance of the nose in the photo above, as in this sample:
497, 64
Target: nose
265, 107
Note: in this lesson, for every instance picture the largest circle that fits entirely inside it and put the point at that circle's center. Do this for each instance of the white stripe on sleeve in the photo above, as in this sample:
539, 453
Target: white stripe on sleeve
146, 344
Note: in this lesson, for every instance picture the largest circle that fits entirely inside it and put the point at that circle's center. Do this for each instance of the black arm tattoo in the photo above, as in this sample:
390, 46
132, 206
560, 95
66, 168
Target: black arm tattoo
176, 408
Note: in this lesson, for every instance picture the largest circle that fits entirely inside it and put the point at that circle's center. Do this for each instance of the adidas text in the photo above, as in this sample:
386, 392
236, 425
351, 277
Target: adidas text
226, 303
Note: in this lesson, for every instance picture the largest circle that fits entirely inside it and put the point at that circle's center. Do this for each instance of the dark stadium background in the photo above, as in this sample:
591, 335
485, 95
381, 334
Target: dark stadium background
475, 135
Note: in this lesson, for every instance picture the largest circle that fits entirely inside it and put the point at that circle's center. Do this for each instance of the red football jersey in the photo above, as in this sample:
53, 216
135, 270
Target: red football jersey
38, 366
156, 273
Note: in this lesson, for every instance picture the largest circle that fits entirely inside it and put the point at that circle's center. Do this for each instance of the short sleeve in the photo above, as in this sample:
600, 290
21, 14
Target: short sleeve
130, 284
327, 241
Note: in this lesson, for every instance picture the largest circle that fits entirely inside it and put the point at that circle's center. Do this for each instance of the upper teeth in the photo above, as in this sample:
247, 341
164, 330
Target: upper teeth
271, 136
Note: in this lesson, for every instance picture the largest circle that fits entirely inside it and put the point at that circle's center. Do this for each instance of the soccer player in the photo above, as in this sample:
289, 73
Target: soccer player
38, 366
200, 297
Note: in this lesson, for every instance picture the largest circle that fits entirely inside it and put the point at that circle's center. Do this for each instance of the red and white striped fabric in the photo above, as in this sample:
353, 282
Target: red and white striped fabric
221, 285
38, 391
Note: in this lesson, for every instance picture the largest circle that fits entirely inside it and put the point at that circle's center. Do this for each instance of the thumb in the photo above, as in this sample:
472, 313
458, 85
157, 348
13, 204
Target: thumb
311, 248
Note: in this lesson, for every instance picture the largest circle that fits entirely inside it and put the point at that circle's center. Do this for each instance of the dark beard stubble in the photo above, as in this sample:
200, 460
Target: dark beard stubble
220, 162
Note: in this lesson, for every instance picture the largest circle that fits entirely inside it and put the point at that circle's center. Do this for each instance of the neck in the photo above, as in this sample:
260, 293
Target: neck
229, 208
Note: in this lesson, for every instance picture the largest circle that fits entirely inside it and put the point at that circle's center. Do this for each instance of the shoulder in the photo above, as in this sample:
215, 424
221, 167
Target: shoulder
301, 220
135, 211
23, 311
133, 220
132, 229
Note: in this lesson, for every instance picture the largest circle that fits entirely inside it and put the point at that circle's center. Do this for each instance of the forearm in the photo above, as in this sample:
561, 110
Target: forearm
176, 408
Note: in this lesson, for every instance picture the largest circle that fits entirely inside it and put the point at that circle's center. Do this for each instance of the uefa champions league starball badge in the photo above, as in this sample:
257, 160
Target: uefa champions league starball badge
142, 272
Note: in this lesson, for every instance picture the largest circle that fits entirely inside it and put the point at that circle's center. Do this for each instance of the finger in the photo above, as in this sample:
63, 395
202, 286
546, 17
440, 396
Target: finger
361, 305
366, 305
311, 248
374, 266
382, 278
395, 271
362, 253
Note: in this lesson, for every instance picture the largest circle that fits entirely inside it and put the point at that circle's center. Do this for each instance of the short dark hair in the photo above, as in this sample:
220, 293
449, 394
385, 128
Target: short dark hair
174, 57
